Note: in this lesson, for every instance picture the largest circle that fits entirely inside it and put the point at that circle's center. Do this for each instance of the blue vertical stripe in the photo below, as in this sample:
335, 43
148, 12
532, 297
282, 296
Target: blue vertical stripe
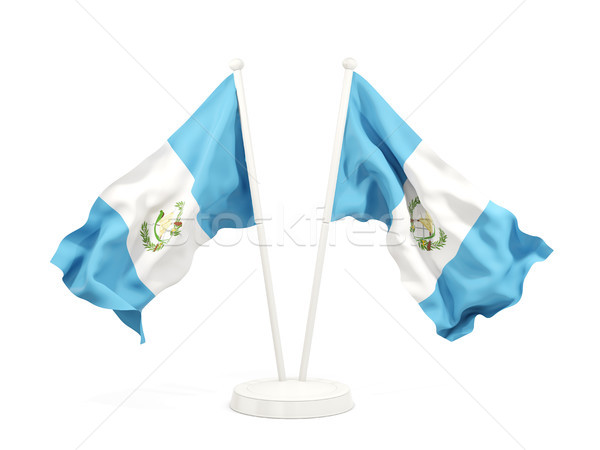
210, 145
377, 143
98, 268
486, 275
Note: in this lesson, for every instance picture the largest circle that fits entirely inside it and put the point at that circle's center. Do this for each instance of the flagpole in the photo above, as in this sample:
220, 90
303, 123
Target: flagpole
349, 65
236, 66
291, 398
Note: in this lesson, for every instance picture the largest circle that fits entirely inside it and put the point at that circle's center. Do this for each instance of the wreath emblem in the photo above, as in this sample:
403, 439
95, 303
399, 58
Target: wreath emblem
425, 229
166, 226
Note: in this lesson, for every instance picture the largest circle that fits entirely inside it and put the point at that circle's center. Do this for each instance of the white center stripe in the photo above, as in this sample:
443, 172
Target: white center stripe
138, 197
448, 203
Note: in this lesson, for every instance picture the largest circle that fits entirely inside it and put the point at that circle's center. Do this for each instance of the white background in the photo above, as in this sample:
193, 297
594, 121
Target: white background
85, 96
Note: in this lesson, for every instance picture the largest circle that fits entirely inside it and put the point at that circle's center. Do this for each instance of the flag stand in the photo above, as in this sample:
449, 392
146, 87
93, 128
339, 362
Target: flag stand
290, 398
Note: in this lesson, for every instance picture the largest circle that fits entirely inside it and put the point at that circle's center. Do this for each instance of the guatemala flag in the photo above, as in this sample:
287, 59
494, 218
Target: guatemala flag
144, 229
459, 254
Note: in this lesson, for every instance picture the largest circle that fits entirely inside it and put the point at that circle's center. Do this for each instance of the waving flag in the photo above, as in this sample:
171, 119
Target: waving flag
459, 254
144, 229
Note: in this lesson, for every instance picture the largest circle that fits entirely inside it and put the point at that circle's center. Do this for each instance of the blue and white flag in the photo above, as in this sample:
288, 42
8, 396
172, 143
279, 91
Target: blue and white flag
144, 229
459, 254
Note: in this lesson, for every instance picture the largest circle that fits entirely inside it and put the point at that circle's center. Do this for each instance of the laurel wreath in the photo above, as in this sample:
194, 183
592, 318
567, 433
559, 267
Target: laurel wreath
177, 229
147, 242
433, 245
412, 205
425, 244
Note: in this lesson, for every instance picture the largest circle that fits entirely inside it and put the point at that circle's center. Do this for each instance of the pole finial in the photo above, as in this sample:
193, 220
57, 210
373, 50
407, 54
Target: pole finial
236, 64
349, 63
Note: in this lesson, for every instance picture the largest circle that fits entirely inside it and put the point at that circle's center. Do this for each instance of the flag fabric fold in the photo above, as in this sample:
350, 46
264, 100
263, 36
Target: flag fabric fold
460, 255
143, 230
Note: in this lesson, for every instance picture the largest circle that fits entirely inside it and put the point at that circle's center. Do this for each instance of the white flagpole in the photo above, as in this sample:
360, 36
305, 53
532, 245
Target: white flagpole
236, 65
349, 64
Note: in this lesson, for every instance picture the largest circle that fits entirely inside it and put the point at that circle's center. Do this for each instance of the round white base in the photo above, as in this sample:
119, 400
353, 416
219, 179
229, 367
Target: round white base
291, 399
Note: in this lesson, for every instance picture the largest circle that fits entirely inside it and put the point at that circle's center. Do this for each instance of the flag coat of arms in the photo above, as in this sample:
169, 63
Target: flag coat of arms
143, 230
459, 254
